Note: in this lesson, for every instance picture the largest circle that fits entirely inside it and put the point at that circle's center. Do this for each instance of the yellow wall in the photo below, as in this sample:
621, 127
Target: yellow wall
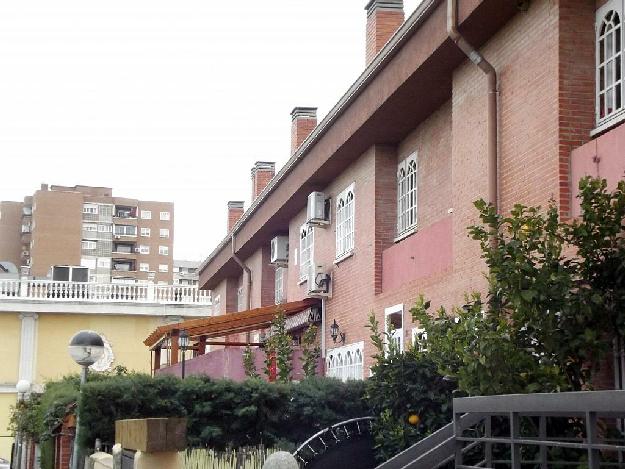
124, 333
10, 330
6, 401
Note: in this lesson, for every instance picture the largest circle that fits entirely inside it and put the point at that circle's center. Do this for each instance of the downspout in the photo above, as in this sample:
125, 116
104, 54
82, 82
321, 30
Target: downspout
491, 76
248, 274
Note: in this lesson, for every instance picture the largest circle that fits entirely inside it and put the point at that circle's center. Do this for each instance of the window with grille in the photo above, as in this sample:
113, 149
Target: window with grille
306, 246
279, 285
407, 195
345, 362
609, 61
345, 222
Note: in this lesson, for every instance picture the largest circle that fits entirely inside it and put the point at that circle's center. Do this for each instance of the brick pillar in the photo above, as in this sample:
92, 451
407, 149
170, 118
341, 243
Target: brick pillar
384, 17
235, 211
303, 122
262, 173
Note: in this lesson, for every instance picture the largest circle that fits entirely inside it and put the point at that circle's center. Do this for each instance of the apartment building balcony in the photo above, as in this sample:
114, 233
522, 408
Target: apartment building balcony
125, 212
49, 290
125, 251
123, 265
601, 157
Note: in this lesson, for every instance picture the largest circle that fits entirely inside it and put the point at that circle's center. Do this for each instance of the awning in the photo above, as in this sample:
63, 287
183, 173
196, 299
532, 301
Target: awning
231, 323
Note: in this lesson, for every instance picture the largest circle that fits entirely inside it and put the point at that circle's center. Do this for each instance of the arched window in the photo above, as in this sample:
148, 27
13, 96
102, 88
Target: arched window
407, 195
345, 222
609, 61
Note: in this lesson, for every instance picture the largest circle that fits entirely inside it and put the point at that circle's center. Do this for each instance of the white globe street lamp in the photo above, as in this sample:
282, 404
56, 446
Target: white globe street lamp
86, 348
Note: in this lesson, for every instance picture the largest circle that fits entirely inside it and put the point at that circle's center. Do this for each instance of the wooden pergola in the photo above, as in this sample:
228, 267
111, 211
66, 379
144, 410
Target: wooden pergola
220, 326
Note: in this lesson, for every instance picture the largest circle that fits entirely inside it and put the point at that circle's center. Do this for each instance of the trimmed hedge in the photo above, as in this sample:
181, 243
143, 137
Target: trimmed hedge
221, 413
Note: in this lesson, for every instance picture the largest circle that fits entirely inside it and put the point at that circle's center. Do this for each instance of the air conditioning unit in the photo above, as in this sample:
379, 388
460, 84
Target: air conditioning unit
318, 209
280, 250
318, 282
137, 250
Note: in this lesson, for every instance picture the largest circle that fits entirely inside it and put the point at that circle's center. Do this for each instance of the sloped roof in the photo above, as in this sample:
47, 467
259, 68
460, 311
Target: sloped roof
231, 323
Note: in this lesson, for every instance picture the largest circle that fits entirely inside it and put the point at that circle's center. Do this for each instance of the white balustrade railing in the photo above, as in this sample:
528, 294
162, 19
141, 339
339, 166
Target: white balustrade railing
102, 292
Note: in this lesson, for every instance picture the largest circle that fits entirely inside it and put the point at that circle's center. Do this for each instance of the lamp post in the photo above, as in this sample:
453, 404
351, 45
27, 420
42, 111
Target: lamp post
183, 338
22, 387
86, 348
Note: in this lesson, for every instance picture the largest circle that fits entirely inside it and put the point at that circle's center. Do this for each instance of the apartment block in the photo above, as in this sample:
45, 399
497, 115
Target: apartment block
119, 240
507, 101
186, 273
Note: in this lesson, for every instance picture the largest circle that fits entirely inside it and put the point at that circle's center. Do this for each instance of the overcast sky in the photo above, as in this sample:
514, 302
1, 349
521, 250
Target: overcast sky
166, 100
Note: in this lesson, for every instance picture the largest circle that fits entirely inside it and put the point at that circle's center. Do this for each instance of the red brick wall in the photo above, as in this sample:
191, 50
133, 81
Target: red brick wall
233, 216
263, 277
381, 25
301, 127
576, 86
260, 180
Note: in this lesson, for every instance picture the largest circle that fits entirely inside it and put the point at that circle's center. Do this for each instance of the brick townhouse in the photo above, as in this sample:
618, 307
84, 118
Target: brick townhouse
511, 101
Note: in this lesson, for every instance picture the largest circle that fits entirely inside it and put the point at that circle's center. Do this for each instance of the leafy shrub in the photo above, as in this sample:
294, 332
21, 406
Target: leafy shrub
406, 394
221, 413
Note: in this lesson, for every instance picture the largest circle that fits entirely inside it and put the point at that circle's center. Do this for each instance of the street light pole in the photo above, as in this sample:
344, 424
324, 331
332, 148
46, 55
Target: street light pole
22, 387
86, 348
184, 344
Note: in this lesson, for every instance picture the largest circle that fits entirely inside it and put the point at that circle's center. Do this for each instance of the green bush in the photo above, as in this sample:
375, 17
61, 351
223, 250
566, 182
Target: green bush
406, 393
221, 413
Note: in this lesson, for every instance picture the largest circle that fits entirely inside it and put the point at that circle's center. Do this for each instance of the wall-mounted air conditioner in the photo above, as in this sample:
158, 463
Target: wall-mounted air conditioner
318, 209
318, 283
280, 250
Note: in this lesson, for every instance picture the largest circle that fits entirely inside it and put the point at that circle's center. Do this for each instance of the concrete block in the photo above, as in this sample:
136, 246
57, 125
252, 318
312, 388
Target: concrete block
152, 435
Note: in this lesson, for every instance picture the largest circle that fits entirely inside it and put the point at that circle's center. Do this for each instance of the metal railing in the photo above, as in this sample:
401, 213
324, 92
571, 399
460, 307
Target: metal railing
593, 446
48, 290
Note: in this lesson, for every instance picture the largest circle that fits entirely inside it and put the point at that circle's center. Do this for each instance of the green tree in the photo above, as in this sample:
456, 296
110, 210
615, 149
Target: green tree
556, 298
248, 363
311, 351
406, 393
279, 347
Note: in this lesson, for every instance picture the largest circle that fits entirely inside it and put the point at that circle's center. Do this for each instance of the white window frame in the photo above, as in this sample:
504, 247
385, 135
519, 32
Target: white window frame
418, 333
163, 250
612, 71
407, 194
88, 245
345, 222
90, 208
346, 362
91, 227
90, 263
146, 214
163, 268
144, 267
145, 232
105, 228
125, 230
144, 249
398, 333
306, 250
104, 262
279, 289
164, 216
163, 233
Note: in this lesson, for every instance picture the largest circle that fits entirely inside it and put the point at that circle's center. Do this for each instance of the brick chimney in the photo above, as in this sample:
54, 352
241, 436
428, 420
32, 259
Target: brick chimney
235, 211
262, 173
304, 120
384, 17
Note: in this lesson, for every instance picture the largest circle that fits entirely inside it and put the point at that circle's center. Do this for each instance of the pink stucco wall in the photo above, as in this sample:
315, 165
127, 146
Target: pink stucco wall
602, 157
427, 252
228, 363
